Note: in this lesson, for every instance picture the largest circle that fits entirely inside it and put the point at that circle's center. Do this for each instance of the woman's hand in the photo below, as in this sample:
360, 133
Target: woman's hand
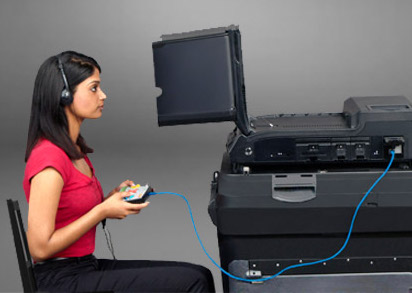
115, 207
117, 189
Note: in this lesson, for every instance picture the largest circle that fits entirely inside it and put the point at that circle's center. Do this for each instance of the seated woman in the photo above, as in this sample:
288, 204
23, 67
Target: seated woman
66, 201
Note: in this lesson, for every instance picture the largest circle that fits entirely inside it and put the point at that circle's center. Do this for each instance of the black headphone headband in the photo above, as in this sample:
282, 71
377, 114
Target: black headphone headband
66, 96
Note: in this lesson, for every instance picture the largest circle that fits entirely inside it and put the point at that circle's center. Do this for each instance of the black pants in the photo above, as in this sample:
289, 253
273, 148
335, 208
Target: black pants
88, 274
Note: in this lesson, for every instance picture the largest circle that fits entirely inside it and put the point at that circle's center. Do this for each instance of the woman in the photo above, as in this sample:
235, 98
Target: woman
66, 201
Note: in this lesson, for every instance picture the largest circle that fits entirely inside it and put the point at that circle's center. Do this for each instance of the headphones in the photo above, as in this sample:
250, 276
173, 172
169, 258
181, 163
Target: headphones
66, 97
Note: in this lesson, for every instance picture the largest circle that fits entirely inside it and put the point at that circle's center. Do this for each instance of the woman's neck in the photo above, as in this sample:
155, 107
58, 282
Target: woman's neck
74, 125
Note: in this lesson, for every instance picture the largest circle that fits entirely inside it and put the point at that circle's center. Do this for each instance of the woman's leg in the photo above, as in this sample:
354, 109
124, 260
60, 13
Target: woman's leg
90, 274
147, 276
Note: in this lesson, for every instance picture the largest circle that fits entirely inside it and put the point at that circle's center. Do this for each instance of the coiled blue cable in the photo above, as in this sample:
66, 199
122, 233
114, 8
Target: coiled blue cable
291, 266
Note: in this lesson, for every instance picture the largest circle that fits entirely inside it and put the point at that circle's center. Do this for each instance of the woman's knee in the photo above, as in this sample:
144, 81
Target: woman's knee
201, 278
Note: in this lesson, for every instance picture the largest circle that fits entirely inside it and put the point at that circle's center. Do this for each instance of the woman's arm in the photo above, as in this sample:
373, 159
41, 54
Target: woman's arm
44, 241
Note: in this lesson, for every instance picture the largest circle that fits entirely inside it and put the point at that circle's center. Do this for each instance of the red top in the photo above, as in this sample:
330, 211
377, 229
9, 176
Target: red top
79, 195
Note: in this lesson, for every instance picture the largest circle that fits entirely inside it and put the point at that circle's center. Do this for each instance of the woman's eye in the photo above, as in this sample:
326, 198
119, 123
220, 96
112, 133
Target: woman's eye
94, 88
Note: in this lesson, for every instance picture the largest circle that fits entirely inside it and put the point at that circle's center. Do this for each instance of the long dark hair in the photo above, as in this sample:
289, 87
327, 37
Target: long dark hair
48, 119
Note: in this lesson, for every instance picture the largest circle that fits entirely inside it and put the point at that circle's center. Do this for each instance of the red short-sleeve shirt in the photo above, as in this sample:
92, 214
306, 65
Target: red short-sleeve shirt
79, 195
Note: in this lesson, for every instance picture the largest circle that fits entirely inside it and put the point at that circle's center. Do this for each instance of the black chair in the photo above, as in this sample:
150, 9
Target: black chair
22, 249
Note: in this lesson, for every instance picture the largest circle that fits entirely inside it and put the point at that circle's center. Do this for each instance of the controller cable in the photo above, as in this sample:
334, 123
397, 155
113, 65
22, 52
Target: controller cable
291, 266
108, 239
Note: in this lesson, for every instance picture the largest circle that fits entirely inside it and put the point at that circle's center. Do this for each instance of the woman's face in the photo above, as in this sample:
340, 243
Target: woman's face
88, 98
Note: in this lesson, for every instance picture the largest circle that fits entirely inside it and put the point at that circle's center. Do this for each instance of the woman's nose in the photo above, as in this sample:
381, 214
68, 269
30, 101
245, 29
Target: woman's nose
102, 95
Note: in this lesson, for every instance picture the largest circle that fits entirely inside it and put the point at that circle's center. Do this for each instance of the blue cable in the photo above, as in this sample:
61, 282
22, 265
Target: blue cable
291, 266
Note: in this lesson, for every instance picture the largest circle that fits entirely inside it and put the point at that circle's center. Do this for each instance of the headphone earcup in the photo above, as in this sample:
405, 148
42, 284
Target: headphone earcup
66, 98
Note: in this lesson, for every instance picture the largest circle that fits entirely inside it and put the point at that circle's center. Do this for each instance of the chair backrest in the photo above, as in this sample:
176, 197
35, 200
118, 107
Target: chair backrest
22, 249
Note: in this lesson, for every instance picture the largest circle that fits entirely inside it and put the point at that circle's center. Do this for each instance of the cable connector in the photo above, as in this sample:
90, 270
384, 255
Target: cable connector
394, 144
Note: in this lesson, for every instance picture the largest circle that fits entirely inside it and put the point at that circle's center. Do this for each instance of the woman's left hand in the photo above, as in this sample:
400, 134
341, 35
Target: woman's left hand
123, 184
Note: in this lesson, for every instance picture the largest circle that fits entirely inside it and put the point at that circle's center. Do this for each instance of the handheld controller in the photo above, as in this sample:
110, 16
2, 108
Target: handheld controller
140, 193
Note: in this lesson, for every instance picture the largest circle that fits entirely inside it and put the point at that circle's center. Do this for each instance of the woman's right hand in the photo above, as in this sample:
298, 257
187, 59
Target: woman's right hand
115, 207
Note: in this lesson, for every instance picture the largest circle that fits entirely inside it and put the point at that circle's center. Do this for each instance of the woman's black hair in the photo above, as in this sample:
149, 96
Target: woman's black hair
48, 119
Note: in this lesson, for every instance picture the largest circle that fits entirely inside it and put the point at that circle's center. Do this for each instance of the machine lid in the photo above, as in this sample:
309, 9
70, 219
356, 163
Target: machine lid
201, 77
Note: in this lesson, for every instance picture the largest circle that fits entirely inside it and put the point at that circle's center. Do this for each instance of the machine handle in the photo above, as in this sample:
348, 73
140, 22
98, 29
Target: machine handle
294, 187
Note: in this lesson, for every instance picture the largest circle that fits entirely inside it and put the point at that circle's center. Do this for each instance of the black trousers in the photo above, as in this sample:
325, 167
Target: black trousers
88, 274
